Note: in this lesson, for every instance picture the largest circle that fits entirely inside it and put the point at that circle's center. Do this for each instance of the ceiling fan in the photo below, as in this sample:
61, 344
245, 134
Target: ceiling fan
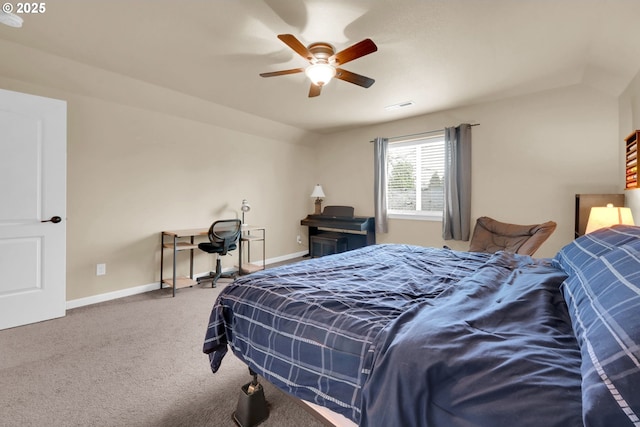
10, 19
325, 62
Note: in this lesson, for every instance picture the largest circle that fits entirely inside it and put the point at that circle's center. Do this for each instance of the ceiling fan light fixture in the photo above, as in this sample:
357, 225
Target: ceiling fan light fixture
320, 73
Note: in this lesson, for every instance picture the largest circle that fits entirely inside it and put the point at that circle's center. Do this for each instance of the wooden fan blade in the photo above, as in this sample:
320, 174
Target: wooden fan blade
314, 90
282, 73
354, 78
356, 51
291, 41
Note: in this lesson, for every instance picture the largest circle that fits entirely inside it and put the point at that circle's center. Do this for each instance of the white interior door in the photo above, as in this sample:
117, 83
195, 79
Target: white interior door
33, 157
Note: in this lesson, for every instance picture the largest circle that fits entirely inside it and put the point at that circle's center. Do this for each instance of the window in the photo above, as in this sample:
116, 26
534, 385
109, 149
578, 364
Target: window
415, 181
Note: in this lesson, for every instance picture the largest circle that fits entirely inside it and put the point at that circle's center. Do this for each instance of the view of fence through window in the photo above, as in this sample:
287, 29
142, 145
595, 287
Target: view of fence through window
415, 181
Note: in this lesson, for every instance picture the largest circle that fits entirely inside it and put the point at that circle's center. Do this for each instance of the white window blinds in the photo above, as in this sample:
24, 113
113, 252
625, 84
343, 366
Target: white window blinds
415, 181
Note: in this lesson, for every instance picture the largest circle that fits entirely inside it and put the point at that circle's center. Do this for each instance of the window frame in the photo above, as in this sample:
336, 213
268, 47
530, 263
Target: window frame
414, 215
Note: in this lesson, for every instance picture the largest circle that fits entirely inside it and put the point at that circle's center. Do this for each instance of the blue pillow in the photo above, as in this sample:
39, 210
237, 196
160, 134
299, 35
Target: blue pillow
589, 247
603, 298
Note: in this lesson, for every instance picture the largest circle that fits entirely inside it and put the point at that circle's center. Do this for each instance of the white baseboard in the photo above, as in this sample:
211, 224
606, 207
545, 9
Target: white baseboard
283, 258
94, 299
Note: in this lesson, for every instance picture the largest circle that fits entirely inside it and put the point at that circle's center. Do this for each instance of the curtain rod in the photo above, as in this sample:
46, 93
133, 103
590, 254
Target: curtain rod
421, 133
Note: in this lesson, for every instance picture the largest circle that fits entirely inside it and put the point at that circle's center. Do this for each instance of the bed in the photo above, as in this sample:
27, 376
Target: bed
401, 335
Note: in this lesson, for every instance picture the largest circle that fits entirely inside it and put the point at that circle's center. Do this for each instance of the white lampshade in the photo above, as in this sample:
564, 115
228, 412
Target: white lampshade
601, 217
320, 74
317, 191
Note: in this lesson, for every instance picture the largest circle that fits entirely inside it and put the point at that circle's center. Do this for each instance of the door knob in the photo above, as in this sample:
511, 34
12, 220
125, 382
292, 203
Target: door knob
54, 219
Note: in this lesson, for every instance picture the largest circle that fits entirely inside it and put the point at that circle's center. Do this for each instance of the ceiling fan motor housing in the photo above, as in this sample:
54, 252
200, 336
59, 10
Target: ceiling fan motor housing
321, 51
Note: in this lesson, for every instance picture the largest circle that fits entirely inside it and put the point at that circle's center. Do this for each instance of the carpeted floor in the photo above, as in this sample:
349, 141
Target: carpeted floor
136, 361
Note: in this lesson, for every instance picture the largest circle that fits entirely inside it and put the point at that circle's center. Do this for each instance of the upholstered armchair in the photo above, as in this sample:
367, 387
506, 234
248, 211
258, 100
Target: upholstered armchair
492, 236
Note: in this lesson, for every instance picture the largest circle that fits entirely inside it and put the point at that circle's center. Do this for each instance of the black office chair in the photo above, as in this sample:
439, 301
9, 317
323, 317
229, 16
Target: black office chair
223, 237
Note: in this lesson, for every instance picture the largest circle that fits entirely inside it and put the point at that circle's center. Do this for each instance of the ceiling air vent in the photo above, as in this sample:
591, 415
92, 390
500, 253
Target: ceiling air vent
400, 105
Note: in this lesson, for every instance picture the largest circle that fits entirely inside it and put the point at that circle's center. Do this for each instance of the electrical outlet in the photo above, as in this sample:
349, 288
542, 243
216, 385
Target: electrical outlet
101, 269
299, 239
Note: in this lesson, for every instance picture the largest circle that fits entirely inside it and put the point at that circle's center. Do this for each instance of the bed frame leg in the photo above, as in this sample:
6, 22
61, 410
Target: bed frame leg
252, 408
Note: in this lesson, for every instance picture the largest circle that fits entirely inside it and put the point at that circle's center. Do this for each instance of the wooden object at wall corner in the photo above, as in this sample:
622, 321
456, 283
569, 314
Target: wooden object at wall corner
631, 160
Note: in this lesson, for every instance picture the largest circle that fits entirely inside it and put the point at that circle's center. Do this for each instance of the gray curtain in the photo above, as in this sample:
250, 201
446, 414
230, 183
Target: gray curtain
457, 183
380, 183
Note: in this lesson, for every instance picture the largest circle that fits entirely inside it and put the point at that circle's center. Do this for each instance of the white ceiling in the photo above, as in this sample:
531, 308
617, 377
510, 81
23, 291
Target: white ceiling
439, 54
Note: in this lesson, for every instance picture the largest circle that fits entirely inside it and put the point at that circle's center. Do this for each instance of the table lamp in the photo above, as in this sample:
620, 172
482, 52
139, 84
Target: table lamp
318, 194
601, 217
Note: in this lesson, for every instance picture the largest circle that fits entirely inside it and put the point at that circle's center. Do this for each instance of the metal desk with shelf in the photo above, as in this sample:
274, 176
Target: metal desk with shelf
175, 240
184, 240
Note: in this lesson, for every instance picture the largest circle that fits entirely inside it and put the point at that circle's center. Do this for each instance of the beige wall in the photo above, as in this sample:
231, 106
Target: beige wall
531, 155
133, 173
142, 159
629, 106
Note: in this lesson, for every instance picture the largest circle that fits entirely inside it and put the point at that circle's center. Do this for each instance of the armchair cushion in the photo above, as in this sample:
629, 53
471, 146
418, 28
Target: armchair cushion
491, 236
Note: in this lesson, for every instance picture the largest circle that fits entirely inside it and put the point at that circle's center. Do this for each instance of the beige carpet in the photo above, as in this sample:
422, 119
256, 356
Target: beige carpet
136, 361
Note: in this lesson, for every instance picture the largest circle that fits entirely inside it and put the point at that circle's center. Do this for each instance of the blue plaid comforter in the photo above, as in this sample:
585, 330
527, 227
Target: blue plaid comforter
412, 336
311, 328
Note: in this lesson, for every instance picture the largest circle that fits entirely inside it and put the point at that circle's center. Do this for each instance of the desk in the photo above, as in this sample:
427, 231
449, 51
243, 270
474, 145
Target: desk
184, 240
177, 243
